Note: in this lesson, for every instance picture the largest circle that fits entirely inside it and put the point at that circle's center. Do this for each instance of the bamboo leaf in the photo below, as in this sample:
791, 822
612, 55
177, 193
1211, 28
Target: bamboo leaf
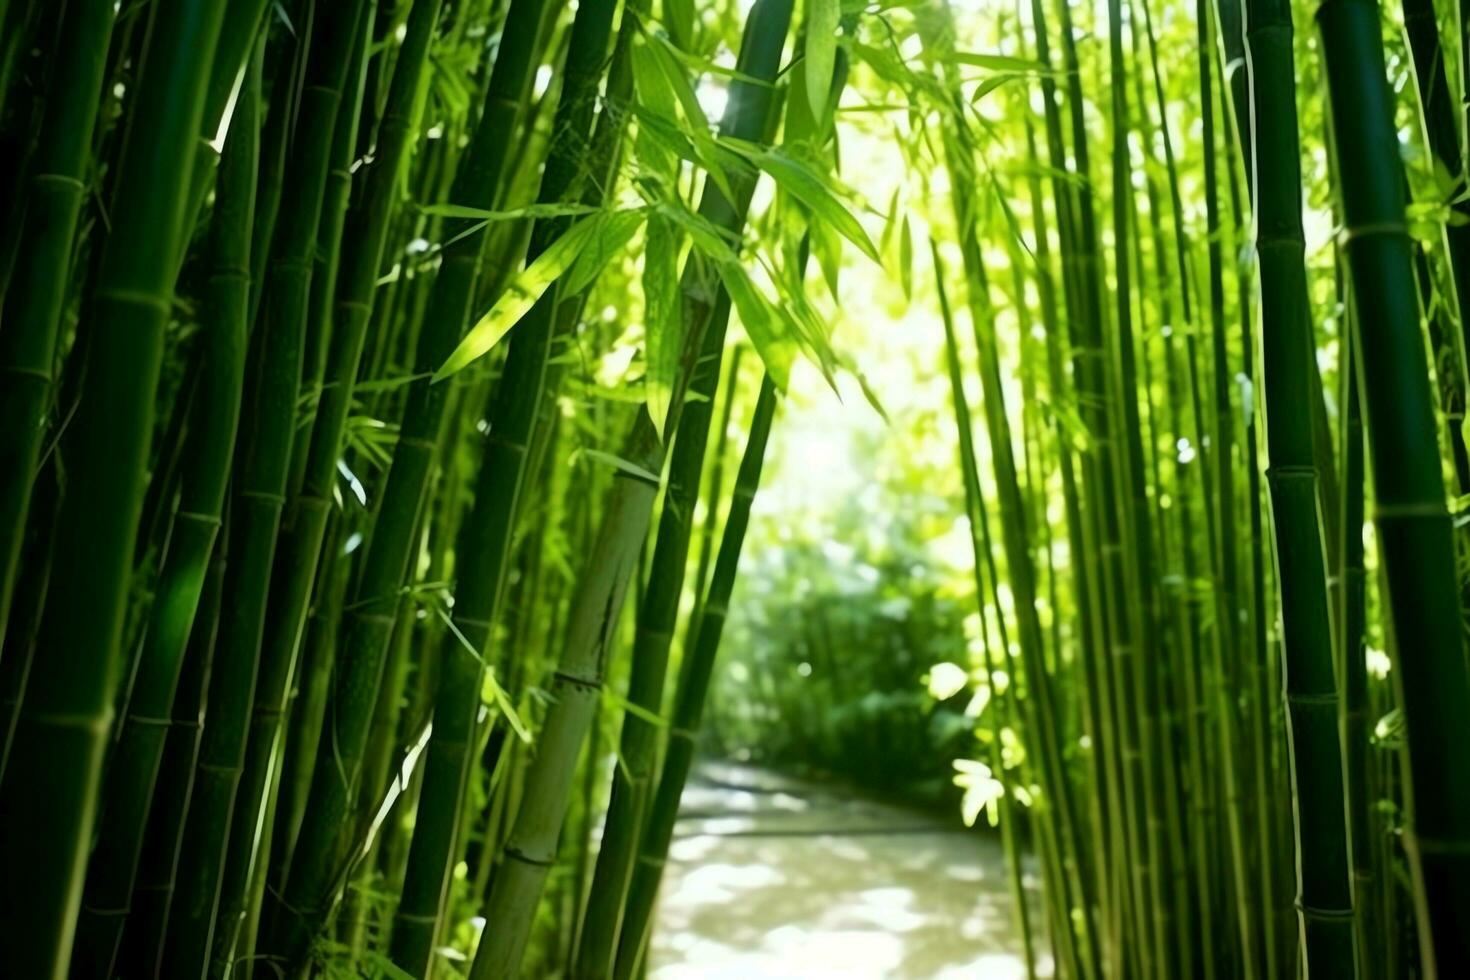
997, 62
802, 183
906, 259
612, 237
821, 53
636, 710
498, 695
619, 463
990, 85
666, 57
657, 148
447, 210
762, 324
826, 245
677, 79
870, 394
709, 238
680, 19
520, 295
663, 317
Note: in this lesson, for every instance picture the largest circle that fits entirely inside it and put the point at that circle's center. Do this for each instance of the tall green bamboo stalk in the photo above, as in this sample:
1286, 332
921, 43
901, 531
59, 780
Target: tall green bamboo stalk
1228, 638
980, 545
132, 771
485, 543
373, 607
1324, 893
1352, 653
48, 799
1412, 523
268, 427
689, 702
1442, 137
33, 307
153, 884
657, 617
306, 519
597, 603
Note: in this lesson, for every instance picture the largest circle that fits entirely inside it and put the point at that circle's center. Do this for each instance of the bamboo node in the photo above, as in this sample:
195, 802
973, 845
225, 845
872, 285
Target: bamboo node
1376, 229
592, 686
97, 724
264, 496
1293, 471
1324, 915
133, 297
521, 856
1328, 699
107, 912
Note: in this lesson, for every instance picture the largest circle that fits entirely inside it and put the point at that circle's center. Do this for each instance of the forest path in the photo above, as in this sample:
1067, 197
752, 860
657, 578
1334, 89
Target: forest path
773, 877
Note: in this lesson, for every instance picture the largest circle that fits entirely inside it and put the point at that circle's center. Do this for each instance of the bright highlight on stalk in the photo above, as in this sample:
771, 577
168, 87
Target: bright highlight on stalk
628, 488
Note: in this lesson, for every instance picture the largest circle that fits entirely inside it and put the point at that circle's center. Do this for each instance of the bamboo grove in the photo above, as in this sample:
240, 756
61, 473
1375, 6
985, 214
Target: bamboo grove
385, 387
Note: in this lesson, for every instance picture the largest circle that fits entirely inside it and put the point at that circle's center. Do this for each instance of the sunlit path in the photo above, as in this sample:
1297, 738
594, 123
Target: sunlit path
772, 877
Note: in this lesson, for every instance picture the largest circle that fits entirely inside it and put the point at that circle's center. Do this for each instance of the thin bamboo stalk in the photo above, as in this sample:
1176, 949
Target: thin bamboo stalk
689, 702
1324, 893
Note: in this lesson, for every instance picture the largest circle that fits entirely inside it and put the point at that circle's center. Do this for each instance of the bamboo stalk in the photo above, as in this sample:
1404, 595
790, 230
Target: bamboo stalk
259, 486
33, 306
372, 610
129, 787
1324, 894
1413, 526
48, 799
306, 518
689, 702
600, 592
485, 542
